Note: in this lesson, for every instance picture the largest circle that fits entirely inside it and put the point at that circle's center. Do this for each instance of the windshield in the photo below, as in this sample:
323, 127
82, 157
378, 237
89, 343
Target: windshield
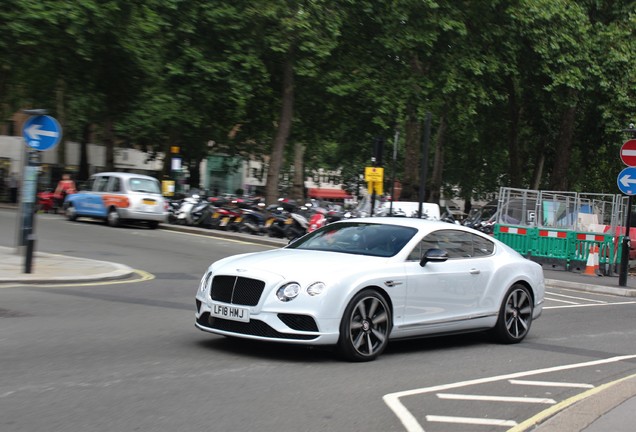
357, 238
144, 185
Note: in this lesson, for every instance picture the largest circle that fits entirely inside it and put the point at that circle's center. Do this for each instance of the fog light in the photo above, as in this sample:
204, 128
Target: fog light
288, 292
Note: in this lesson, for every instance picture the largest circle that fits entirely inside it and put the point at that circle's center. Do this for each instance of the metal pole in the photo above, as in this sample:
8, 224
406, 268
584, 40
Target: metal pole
624, 269
622, 277
427, 136
395, 143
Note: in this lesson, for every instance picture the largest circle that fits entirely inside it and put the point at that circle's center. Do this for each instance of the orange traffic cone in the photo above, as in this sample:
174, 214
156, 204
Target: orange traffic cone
589, 266
597, 266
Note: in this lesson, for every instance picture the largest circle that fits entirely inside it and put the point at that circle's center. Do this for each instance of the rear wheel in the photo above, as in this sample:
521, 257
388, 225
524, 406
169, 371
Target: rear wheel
365, 327
515, 315
153, 224
113, 218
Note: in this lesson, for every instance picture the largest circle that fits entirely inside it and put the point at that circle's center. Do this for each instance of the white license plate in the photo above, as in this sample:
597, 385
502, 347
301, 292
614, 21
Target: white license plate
230, 312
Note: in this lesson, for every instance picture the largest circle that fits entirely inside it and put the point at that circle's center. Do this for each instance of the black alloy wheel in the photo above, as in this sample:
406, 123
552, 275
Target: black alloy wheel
365, 327
515, 315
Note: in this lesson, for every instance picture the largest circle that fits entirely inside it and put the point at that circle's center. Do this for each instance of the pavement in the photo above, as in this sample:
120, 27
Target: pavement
605, 408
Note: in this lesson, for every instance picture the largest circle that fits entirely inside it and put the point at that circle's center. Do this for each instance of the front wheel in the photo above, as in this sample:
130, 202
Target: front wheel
515, 315
365, 327
69, 212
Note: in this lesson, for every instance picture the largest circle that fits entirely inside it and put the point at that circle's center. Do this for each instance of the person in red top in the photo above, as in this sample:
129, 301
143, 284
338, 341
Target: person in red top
64, 187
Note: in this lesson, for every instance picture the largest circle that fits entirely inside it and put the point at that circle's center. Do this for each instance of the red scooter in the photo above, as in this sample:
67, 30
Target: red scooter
48, 201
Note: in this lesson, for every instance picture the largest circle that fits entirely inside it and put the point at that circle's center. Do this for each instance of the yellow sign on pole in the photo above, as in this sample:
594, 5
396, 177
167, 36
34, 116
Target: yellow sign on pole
374, 174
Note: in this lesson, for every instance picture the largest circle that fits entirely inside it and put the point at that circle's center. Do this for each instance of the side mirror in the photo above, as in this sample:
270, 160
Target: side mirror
434, 255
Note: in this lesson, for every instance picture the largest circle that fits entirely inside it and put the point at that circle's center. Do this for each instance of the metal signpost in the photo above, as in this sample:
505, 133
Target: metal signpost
40, 133
627, 184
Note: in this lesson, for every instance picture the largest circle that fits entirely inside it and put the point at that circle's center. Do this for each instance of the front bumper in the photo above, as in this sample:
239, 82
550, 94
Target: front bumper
296, 328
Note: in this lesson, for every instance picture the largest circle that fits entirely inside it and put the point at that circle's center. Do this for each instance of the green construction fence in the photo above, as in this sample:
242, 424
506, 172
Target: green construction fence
563, 249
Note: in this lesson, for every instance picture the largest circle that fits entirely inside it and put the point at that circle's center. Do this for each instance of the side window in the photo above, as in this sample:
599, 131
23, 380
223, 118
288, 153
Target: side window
90, 184
101, 184
457, 244
115, 185
482, 246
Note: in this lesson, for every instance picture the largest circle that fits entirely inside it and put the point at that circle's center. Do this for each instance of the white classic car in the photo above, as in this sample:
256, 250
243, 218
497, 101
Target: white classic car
356, 284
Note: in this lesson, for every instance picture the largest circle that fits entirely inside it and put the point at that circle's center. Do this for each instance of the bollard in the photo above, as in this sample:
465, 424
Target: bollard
28, 259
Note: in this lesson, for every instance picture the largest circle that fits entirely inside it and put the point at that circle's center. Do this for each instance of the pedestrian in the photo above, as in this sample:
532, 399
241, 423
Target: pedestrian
12, 183
66, 186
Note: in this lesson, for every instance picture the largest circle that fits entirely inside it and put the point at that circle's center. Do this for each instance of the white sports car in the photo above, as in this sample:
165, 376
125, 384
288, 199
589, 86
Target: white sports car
356, 284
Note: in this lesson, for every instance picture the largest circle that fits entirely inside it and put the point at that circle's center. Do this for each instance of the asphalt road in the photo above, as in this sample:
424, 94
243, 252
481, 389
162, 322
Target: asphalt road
125, 356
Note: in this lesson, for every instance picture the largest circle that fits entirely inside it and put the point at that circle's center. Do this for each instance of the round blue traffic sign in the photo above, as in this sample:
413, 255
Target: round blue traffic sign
41, 132
627, 181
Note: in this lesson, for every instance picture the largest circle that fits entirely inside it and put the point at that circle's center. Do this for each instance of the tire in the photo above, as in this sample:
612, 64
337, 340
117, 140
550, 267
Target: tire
153, 225
70, 213
515, 315
113, 218
365, 327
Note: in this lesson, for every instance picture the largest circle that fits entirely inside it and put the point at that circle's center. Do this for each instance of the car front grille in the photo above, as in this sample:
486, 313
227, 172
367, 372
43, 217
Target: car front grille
237, 290
253, 328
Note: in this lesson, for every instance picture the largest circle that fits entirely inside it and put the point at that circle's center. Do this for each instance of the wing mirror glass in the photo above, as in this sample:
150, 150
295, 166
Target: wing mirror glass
434, 255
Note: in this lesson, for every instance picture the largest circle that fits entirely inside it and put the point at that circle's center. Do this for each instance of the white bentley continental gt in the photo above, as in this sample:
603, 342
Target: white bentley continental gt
357, 284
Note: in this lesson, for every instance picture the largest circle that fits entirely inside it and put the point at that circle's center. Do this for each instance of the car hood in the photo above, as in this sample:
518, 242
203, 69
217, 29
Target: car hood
293, 263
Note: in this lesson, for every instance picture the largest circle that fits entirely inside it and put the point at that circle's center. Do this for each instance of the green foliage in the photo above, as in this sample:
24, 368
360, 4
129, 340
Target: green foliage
502, 74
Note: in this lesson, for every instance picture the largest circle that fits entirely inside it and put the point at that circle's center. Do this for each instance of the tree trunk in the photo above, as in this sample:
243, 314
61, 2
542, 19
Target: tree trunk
60, 93
282, 133
514, 155
413, 132
83, 167
559, 179
298, 188
109, 143
538, 170
438, 162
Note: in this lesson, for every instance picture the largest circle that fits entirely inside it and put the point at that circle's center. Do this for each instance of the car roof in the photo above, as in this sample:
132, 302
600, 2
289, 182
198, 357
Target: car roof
123, 175
420, 224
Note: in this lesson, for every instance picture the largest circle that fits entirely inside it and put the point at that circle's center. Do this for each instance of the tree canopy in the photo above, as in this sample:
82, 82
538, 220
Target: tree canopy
521, 93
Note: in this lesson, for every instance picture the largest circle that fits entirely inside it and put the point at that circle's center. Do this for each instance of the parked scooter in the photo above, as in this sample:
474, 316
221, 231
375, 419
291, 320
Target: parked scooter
183, 215
253, 220
298, 223
276, 222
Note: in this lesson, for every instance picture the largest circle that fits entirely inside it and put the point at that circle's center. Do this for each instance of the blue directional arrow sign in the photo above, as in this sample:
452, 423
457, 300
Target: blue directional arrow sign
41, 132
627, 181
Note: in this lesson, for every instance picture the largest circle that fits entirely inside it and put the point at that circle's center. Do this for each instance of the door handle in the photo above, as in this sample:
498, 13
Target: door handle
475, 271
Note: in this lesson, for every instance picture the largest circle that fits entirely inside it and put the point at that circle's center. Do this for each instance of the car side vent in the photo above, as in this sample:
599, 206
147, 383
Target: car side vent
299, 322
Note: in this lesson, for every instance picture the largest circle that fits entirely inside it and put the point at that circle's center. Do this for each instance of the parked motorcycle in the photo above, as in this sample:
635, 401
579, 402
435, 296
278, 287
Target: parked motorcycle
276, 222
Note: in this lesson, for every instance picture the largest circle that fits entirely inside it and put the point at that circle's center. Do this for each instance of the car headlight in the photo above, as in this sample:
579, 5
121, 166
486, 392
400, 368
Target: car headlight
288, 292
316, 288
204, 281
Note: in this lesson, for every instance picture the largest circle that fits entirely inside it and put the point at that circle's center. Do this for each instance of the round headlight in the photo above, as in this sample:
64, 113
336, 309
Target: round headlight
288, 292
315, 288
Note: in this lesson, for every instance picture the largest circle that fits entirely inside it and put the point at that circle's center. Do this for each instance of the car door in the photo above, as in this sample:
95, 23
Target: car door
89, 202
441, 293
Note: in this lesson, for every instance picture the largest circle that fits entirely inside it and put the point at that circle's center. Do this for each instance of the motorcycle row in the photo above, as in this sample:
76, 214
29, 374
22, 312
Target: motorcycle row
285, 219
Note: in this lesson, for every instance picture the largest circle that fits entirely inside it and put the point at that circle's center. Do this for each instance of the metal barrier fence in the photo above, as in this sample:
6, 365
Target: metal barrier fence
560, 229
563, 249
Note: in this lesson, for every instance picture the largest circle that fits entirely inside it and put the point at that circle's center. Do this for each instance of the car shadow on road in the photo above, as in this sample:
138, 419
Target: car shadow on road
269, 350
426, 344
